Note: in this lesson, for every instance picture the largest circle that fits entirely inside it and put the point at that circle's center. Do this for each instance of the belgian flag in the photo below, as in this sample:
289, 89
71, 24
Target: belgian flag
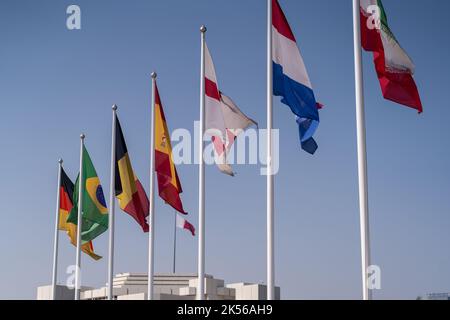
128, 189
169, 185
66, 188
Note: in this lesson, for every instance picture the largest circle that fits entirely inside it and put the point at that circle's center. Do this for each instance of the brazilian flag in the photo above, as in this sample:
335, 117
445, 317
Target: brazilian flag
95, 213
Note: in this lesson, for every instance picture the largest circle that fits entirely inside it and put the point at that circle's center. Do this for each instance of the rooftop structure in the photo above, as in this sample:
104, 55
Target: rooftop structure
133, 286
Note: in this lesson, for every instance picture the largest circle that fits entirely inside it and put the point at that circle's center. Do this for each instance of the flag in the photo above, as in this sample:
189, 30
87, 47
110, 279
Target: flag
95, 213
129, 191
223, 119
184, 224
169, 185
394, 67
291, 80
65, 205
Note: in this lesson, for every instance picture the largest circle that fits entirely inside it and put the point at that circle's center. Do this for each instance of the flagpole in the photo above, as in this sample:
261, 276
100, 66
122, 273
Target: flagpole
174, 242
201, 179
362, 153
79, 221
151, 233
112, 205
55, 243
270, 178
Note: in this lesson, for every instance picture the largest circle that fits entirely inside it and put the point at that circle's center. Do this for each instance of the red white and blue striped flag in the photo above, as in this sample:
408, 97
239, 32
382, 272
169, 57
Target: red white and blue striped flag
291, 80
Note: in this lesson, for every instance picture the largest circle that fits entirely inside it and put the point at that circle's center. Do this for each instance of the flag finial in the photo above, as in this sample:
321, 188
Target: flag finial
82, 136
154, 75
114, 107
203, 28
60, 161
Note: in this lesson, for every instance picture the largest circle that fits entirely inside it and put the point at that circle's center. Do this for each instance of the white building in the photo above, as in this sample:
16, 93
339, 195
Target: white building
438, 296
133, 286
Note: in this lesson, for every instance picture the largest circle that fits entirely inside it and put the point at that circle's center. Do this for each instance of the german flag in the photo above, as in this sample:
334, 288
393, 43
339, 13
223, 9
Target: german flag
66, 189
168, 182
129, 191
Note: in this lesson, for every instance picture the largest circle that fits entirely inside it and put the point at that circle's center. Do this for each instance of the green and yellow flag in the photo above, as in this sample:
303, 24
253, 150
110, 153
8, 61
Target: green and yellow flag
95, 213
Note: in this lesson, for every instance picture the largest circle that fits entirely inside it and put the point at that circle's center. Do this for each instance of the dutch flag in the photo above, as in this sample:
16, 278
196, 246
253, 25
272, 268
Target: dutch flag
291, 80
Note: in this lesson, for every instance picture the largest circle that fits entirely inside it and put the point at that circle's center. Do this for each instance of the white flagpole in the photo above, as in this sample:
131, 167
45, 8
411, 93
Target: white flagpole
201, 176
270, 203
362, 154
151, 233
55, 243
174, 242
112, 192
79, 222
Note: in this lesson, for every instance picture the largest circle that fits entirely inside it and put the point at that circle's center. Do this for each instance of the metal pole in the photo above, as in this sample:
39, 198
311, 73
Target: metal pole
79, 221
362, 154
201, 176
174, 242
151, 233
55, 243
270, 178
112, 192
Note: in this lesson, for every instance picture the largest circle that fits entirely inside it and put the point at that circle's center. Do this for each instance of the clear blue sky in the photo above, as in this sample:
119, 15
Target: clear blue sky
57, 83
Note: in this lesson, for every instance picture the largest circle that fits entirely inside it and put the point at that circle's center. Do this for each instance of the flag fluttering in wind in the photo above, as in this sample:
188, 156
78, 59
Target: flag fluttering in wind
224, 120
394, 67
169, 185
128, 189
291, 80
95, 213
66, 188
184, 224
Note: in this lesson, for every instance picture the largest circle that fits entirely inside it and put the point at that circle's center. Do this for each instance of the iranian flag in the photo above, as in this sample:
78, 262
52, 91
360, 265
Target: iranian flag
394, 67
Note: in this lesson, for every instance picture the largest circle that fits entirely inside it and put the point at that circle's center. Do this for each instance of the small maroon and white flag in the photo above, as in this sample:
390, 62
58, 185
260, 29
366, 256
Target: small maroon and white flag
184, 224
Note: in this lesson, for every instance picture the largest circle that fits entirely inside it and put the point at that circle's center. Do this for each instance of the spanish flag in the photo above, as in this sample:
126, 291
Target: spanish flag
65, 205
129, 191
168, 182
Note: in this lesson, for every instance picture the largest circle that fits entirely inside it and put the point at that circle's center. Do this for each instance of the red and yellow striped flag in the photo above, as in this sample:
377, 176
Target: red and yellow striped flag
168, 182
